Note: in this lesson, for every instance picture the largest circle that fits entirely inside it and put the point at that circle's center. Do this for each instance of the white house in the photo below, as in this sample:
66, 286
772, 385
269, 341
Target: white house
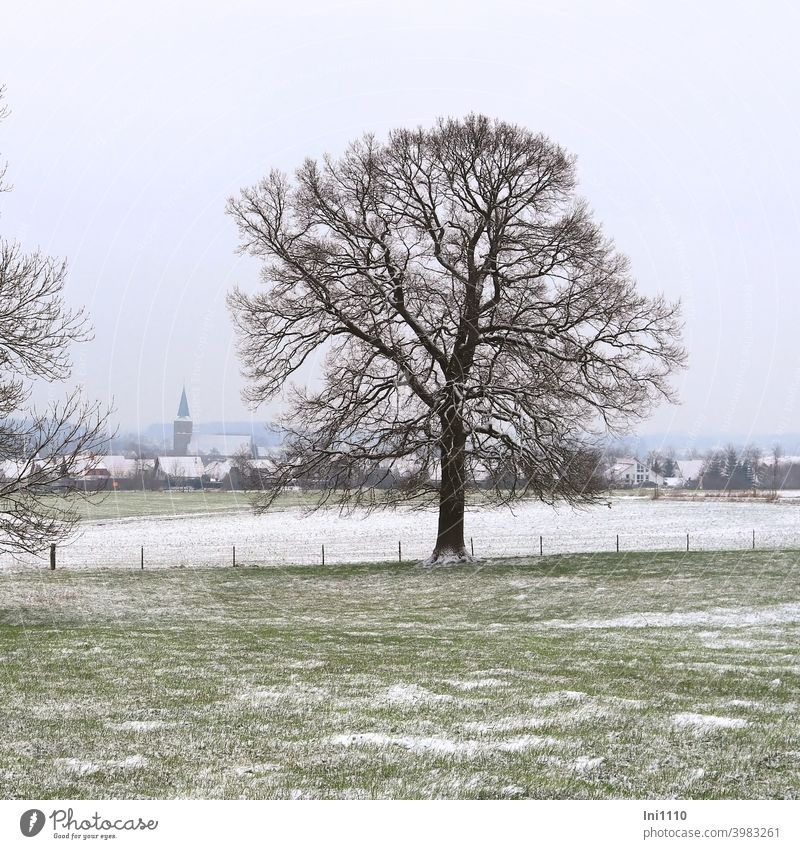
630, 471
119, 466
179, 468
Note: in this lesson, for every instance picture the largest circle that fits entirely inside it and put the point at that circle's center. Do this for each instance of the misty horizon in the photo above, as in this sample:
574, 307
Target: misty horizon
122, 159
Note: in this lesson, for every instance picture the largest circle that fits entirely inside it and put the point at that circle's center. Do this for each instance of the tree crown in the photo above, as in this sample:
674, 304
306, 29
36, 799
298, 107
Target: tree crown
462, 294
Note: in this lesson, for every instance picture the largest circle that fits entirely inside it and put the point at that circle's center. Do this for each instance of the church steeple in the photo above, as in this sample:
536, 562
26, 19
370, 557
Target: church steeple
183, 407
182, 428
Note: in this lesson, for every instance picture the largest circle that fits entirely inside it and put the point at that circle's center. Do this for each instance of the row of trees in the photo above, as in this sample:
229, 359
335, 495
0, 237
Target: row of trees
750, 468
730, 468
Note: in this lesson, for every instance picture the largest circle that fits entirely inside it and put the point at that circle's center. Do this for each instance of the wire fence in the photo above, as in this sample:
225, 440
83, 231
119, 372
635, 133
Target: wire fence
336, 551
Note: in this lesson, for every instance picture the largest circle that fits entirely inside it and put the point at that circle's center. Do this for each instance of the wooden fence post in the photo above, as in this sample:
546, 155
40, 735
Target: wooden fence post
687, 542
399, 551
52, 555
142, 557
471, 546
754, 540
617, 543
323, 555
234, 555
541, 547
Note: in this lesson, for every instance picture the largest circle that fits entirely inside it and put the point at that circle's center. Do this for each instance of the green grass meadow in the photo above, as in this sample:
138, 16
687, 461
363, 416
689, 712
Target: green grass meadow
595, 676
152, 503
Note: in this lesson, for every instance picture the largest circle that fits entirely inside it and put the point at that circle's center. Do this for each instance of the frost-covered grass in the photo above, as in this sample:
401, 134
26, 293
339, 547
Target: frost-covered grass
586, 676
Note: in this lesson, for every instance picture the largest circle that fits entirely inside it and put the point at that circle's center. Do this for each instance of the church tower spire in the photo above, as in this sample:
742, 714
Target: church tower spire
183, 407
182, 428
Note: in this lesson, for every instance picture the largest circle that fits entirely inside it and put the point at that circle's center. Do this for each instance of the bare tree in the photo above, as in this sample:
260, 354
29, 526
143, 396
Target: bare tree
476, 322
41, 450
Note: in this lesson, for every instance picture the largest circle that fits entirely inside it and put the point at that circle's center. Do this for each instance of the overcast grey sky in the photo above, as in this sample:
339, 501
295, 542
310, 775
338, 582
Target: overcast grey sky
131, 124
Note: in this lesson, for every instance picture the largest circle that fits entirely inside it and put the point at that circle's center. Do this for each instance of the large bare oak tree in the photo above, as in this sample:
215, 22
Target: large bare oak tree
40, 450
476, 324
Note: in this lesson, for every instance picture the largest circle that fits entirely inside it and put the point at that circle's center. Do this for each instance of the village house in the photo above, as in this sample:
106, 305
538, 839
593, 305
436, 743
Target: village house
179, 472
631, 472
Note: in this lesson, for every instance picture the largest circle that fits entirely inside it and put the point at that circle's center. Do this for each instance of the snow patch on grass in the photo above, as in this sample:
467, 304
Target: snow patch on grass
480, 684
512, 791
557, 697
586, 764
78, 767
132, 762
412, 694
713, 640
133, 725
703, 720
745, 703
695, 775
443, 745
81, 768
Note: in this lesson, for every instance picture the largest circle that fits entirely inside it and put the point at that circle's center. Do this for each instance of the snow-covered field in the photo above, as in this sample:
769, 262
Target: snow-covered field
293, 536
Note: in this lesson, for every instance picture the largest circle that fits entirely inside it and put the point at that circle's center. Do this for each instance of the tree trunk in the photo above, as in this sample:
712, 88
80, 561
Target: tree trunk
450, 536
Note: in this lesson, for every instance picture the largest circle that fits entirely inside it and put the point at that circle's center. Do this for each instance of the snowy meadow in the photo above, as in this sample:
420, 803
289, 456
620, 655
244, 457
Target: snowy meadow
200, 529
660, 675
